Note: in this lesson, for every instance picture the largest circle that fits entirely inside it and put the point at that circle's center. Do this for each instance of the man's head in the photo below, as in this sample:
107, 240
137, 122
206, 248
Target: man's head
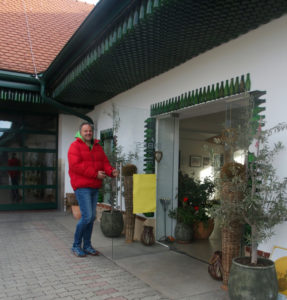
86, 131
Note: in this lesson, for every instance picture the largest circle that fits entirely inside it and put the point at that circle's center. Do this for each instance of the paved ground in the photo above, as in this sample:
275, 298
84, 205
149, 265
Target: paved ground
36, 263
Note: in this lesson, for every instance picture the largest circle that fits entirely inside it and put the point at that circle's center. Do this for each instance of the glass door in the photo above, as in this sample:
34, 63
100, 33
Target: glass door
28, 161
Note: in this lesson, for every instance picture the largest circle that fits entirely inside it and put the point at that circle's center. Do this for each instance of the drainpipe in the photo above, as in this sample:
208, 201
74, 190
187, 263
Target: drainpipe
61, 106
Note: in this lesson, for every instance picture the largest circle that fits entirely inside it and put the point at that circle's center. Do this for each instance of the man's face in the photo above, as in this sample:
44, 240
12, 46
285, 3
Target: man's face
87, 133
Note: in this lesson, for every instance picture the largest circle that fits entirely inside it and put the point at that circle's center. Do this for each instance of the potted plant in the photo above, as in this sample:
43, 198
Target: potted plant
194, 203
72, 201
112, 223
262, 205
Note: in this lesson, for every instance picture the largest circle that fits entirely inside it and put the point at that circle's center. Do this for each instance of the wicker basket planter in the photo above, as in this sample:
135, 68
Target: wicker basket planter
231, 234
130, 217
128, 171
73, 203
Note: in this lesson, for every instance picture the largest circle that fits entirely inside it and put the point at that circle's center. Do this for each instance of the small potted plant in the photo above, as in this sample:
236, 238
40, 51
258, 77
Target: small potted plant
72, 201
192, 213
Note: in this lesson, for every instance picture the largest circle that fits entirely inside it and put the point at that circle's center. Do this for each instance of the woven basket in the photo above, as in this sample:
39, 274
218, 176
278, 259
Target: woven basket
231, 234
130, 217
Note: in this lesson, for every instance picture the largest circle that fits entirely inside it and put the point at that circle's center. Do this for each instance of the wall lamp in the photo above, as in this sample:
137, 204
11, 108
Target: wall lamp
158, 156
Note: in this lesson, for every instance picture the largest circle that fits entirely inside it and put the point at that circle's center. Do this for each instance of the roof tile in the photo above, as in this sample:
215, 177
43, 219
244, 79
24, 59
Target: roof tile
51, 24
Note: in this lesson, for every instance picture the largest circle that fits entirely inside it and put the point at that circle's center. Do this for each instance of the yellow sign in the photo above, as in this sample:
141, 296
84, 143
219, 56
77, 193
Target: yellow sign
144, 193
279, 256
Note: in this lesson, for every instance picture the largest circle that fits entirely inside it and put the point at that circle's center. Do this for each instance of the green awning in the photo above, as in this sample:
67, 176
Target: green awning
24, 92
146, 38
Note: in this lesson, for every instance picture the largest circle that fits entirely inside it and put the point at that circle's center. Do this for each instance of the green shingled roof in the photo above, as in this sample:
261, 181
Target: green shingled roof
151, 37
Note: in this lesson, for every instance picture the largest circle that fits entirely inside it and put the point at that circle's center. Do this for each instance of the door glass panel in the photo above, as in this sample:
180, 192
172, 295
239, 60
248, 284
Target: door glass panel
10, 158
40, 177
40, 122
10, 164
10, 121
8, 177
11, 196
40, 159
40, 196
12, 139
43, 141
28, 159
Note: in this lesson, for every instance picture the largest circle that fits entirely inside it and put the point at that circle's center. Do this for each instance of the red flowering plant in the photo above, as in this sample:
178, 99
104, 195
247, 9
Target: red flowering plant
193, 200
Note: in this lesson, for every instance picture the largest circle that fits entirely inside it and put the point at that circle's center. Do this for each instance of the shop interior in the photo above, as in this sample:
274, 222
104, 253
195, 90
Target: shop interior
202, 153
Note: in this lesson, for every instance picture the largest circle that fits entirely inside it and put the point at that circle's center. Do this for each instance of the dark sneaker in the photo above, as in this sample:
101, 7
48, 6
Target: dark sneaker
77, 251
91, 251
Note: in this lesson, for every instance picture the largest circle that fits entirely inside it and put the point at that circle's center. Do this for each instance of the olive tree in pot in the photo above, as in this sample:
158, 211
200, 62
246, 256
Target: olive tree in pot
263, 205
112, 223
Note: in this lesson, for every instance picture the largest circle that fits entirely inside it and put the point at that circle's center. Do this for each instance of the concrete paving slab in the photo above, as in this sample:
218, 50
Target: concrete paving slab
174, 275
36, 263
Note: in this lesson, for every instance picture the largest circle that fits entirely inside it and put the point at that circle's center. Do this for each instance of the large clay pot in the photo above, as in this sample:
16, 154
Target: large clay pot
183, 233
112, 223
202, 230
76, 212
252, 282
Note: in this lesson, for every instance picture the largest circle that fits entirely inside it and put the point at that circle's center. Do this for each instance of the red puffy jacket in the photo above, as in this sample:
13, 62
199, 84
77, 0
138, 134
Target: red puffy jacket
84, 164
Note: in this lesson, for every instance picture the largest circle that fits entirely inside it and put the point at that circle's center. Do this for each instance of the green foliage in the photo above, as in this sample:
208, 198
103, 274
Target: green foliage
193, 200
263, 198
198, 192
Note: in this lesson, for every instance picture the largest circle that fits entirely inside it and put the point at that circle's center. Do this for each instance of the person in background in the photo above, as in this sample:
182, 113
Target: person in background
14, 176
88, 166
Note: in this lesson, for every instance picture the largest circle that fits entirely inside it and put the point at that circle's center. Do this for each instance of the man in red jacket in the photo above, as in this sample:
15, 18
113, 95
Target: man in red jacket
88, 166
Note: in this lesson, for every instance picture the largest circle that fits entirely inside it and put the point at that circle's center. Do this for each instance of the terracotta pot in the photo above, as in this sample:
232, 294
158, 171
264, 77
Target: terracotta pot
76, 212
203, 230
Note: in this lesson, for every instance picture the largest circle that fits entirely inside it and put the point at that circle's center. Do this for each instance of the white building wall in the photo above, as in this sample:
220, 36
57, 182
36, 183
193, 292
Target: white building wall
68, 126
261, 52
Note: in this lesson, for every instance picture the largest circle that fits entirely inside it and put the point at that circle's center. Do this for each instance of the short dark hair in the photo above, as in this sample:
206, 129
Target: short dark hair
86, 123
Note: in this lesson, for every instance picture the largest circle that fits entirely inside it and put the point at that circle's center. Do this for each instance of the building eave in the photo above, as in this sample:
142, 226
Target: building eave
122, 45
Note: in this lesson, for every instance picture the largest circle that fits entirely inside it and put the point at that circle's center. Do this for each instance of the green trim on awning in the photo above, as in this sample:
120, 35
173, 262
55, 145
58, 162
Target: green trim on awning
149, 142
17, 77
20, 96
18, 88
114, 36
201, 95
95, 26
151, 37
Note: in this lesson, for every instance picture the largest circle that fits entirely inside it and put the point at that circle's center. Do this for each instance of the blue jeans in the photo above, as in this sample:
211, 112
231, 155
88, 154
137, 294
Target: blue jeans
87, 200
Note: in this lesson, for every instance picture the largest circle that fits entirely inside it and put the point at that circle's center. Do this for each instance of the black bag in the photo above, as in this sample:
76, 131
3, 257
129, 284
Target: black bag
215, 266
